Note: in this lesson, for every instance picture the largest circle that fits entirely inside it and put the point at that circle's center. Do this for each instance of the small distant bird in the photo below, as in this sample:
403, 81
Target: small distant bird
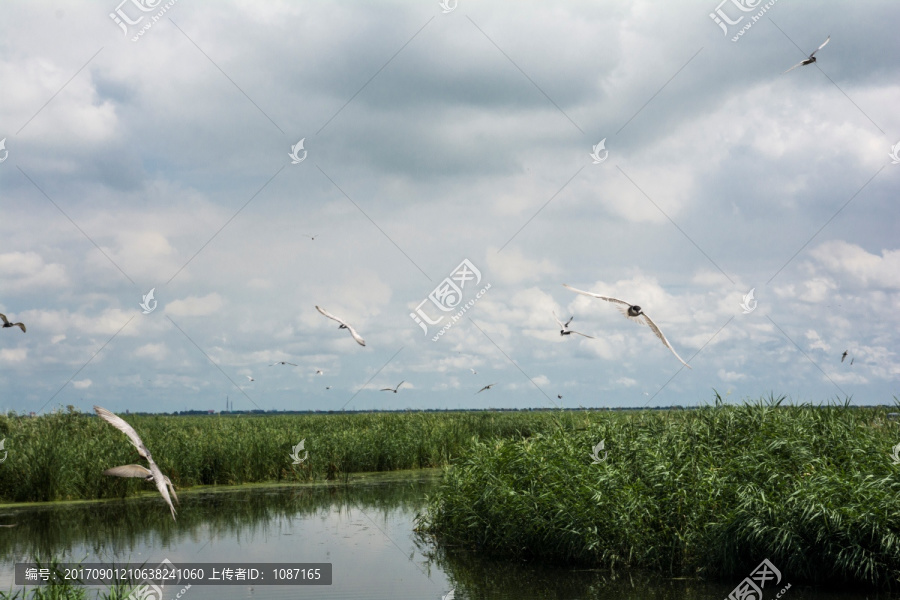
474, 372
327, 387
844, 355
152, 474
559, 396
851, 360
487, 387
282, 362
250, 378
634, 313
6, 323
564, 328
343, 325
393, 389
320, 372
812, 57
312, 237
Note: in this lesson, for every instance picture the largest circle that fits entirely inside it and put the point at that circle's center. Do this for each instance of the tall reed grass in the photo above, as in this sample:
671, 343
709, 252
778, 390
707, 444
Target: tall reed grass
61, 456
708, 492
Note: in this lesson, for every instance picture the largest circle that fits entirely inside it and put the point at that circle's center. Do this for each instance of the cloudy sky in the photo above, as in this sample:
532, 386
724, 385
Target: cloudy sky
156, 154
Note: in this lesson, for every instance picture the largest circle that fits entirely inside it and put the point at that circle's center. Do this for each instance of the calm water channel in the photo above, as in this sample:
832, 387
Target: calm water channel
364, 530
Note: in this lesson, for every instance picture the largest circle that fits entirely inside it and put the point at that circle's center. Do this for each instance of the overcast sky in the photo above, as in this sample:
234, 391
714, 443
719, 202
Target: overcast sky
161, 160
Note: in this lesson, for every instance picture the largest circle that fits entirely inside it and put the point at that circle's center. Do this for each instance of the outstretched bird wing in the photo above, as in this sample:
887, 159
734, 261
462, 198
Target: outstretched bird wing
5, 321
356, 336
129, 471
795, 66
583, 334
561, 324
593, 295
120, 424
660, 335
820, 47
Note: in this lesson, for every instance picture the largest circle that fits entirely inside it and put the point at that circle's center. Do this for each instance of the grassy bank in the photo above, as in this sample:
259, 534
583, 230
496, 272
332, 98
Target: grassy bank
712, 492
61, 456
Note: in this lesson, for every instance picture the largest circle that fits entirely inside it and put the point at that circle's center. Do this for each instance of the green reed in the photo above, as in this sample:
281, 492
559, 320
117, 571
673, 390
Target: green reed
62, 456
708, 492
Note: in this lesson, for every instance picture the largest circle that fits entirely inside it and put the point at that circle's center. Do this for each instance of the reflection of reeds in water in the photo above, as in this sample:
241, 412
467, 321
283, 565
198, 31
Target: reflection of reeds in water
710, 492
123, 526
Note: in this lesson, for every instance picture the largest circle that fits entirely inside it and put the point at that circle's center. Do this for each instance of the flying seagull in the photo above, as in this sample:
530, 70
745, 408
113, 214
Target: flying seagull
844, 355
312, 237
851, 360
564, 328
474, 372
633, 312
343, 325
250, 378
282, 362
393, 389
6, 323
152, 474
812, 57
320, 372
487, 387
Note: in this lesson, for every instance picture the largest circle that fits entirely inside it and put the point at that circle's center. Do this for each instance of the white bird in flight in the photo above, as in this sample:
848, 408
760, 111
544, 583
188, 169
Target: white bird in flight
811, 58
152, 474
282, 362
474, 372
6, 323
487, 387
343, 325
250, 378
633, 312
393, 389
564, 328
320, 372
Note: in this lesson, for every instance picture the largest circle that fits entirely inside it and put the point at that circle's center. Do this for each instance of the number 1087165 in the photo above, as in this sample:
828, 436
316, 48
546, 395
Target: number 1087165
301, 574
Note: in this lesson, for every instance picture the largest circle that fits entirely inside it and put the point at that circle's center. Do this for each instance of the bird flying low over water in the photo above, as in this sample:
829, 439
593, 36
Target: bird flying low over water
393, 389
152, 474
811, 58
633, 312
487, 387
343, 325
564, 328
6, 323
